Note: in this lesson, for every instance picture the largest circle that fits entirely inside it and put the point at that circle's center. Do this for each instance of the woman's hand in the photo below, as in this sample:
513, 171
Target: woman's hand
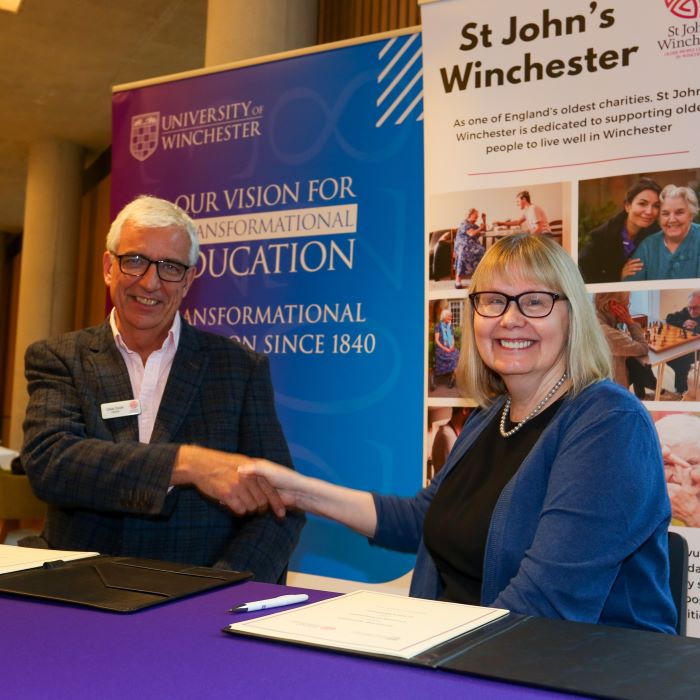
620, 312
632, 266
347, 506
290, 485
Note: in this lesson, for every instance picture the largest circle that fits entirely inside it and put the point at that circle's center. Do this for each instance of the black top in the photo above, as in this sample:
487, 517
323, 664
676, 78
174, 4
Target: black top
603, 256
457, 522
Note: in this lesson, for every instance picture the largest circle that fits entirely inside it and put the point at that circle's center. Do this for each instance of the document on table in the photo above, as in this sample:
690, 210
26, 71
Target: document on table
13, 558
372, 622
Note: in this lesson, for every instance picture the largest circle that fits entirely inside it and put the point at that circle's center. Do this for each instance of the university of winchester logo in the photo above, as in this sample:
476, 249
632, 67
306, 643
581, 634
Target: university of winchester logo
685, 9
144, 135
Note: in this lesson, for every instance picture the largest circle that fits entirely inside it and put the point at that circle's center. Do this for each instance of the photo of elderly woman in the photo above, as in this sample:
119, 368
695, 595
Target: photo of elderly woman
612, 241
679, 434
468, 249
608, 255
455, 250
674, 253
444, 346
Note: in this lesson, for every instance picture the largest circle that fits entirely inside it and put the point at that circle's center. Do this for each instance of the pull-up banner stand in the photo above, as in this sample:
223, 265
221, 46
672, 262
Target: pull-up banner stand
304, 173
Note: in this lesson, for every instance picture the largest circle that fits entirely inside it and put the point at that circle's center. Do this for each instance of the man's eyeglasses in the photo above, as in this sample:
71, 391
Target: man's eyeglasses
137, 266
530, 304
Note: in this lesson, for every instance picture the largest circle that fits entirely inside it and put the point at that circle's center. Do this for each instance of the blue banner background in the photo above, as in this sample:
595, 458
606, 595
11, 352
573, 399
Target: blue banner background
356, 417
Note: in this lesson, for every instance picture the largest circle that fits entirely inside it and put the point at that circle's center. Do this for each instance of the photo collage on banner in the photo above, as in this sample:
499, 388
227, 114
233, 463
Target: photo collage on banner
576, 120
304, 174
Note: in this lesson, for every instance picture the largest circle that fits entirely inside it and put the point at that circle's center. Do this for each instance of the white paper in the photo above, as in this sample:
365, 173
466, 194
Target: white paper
14, 558
373, 622
6, 457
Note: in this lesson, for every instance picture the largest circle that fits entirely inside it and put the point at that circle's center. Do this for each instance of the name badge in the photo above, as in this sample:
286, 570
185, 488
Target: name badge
119, 409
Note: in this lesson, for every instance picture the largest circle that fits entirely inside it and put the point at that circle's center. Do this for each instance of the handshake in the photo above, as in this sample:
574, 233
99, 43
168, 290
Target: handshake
242, 484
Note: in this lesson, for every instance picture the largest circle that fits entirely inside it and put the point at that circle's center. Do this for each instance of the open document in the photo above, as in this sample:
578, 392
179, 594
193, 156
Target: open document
14, 558
373, 623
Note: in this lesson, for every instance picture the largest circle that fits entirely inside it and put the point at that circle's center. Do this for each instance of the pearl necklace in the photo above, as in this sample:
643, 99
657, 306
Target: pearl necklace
506, 410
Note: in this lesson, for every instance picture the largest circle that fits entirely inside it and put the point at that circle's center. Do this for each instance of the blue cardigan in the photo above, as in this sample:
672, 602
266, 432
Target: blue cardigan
580, 531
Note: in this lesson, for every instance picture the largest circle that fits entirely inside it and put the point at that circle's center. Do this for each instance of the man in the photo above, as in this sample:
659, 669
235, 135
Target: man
135, 428
688, 318
533, 215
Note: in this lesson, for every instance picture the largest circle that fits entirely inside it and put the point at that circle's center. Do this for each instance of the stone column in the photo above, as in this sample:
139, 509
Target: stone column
240, 29
49, 255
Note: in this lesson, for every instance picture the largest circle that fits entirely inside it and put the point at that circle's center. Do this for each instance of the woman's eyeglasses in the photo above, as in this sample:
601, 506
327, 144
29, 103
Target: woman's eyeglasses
530, 304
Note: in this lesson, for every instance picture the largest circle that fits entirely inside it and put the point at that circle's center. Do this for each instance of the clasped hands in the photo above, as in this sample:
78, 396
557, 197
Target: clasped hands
225, 477
683, 482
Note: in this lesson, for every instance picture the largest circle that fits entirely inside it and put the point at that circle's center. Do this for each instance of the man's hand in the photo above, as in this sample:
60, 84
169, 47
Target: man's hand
215, 474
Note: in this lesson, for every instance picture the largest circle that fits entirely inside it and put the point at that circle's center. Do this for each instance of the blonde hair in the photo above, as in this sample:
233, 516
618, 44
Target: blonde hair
537, 258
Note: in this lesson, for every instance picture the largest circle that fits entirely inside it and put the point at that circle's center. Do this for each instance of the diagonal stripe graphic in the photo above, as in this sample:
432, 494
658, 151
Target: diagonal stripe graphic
400, 80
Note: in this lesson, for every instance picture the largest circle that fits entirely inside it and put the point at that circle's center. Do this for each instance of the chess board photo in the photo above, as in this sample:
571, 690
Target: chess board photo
662, 336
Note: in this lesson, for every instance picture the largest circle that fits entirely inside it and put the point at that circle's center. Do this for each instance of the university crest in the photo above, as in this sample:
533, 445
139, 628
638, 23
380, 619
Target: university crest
144, 135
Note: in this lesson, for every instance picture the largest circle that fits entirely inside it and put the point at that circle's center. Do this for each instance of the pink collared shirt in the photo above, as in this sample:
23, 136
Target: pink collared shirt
148, 381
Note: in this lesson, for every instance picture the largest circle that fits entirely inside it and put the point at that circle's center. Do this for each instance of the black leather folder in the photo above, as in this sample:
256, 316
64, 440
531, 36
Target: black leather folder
573, 657
119, 584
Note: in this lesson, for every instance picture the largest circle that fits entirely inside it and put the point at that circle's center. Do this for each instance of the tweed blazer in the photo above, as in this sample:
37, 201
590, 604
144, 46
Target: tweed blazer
108, 492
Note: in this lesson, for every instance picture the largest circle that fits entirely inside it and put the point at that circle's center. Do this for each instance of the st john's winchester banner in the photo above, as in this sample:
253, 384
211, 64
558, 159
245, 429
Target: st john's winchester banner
575, 102
304, 175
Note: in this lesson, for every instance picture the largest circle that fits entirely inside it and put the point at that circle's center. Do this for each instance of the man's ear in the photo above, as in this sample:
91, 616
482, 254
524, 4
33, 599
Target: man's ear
189, 278
107, 267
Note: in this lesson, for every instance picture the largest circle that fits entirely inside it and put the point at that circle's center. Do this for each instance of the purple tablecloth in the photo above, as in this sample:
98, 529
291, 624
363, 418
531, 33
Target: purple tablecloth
178, 650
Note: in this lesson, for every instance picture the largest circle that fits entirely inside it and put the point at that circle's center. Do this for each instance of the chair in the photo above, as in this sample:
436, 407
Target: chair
678, 580
17, 502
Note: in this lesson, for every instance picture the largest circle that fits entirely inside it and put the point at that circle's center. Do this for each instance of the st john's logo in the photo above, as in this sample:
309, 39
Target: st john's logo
144, 135
685, 9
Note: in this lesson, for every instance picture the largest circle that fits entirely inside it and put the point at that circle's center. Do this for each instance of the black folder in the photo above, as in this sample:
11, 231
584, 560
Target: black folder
574, 657
118, 584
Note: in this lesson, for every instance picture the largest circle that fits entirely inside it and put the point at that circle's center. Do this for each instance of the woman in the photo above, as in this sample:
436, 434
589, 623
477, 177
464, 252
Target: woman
628, 347
446, 353
674, 252
554, 501
468, 250
609, 254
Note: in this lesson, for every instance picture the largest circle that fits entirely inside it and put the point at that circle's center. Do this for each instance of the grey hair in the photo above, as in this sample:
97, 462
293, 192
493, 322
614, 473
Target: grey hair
153, 212
685, 193
678, 427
